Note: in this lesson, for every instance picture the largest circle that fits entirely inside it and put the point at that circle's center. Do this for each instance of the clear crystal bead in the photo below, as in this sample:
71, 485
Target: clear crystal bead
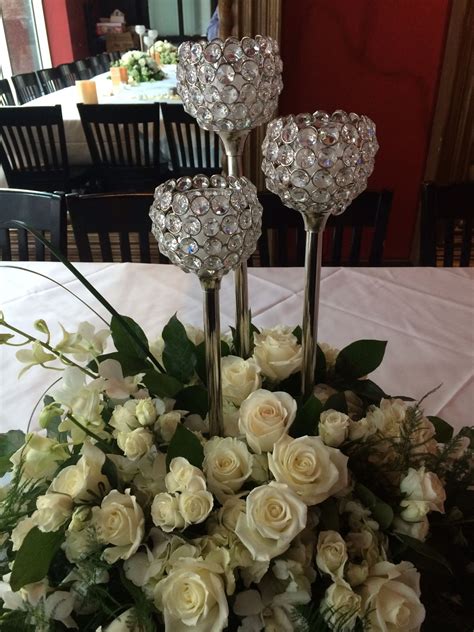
238, 200
170, 242
206, 73
219, 111
173, 223
212, 53
213, 246
285, 155
211, 94
308, 137
322, 179
203, 114
193, 263
299, 178
238, 111
184, 183
231, 260
245, 220
289, 132
230, 225
345, 177
305, 158
160, 220
351, 156
225, 74
248, 94
235, 242
229, 94
250, 46
299, 195
233, 52
212, 263
321, 196
188, 246
329, 135
218, 181
249, 70
191, 225
195, 52
282, 174
201, 181
200, 205
271, 152
211, 227
165, 199
327, 158
220, 204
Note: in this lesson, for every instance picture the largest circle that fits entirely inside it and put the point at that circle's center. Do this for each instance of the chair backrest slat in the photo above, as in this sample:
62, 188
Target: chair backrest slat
6, 94
446, 223
27, 87
122, 214
44, 211
192, 150
33, 148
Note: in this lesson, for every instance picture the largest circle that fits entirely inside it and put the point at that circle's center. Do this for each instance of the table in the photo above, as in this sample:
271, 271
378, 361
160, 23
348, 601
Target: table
426, 314
78, 152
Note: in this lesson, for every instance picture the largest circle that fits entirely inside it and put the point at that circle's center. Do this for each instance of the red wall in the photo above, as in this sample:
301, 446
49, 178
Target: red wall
380, 58
57, 26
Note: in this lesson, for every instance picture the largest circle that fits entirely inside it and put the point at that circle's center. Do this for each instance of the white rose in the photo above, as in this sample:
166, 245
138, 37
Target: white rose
194, 334
195, 506
192, 597
418, 530
52, 511
83, 480
274, 517
39, 457
312, 469
230, 414
414, 510
119, 521
123, 418
341, 607
333, 427
146, 412
265, 417
230, 511
165, 512
330, 355
277, 353
135, 444
239, 378
361, 429
422, 486
391, 597
392, 417
356, 574
331, 554
167, 423
184, 477
227, 465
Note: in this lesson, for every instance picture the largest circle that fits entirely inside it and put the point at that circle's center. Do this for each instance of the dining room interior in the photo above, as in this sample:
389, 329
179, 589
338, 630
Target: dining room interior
311, 163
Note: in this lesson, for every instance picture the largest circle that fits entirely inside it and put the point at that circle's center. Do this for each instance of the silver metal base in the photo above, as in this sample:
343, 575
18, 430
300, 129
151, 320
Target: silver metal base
212, 341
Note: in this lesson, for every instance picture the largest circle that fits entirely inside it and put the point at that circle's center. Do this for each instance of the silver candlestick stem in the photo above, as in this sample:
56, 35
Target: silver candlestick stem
234, 143
212, 334
314, 226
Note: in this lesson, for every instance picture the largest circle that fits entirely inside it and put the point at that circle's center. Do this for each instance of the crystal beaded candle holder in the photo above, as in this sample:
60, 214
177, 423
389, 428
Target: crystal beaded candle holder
207, 225
230, 85
318, 163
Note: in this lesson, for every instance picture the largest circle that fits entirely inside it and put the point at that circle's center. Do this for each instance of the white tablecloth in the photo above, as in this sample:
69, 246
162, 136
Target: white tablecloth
149, 92
425, 314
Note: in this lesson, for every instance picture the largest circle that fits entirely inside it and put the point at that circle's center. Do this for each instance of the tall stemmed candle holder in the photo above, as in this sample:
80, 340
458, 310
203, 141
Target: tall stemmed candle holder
230, 87
208, 226
317, 164
140, 30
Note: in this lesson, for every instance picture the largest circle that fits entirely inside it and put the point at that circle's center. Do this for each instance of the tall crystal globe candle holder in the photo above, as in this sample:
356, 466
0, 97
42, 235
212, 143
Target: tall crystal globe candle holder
317, 164
208, 226
140, 30
230, 87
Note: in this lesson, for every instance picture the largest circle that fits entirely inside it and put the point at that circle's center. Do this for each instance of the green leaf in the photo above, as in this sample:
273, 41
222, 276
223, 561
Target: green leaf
337, 401
4, 338
381, 511
109, 469
425, 550
201, 358
185, 443
33, 560
10, 442
320, 374
124, 342
131, 365
297, 333
291, 385
161, 384
194, 399
360, 358
179, 353
368, 390
444, 432
307, 417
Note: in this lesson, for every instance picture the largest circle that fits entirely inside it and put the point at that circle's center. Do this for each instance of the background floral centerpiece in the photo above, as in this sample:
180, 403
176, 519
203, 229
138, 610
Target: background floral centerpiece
164, 52
140, 67
122, 513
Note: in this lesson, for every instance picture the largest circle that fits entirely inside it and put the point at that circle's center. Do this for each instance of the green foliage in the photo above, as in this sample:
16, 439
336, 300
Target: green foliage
161, 384
360, 358
337, 401
131, 364
19, 501
307, 417
120, 327
179, 354
444, 432
367, 391
33, 560
10, 442
313, 617
330, 515
185, 443
381, 511
320, 374
424, 550
193, 399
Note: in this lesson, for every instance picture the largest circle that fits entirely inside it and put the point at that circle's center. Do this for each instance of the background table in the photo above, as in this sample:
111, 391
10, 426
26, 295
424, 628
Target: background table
149, 92
426, 314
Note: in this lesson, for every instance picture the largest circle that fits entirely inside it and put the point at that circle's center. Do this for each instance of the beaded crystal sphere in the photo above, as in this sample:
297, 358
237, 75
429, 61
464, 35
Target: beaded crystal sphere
207, 225
230, 85
319, 163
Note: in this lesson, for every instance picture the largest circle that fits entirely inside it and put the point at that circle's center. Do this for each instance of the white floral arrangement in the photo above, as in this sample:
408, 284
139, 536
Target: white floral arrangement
168, 53
122, 513
140, 67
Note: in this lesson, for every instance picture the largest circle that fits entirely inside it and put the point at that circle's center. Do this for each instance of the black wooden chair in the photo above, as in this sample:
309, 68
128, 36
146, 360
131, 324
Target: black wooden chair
111, 224
192, 149
105, 60
124, 143
362, 226
69, 73
33, 150
44, 211
83, 69
446, 230
6, 94
27, 87
51, 80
